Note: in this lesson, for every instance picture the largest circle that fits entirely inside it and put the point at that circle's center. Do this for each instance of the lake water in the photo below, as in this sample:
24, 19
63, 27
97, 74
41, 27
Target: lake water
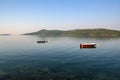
21, 58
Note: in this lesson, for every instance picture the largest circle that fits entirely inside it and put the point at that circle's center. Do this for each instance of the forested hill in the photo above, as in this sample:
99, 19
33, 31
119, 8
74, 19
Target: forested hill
78, 32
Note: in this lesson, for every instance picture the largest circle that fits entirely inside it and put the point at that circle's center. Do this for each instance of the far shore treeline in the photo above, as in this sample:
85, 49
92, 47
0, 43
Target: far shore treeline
78, 33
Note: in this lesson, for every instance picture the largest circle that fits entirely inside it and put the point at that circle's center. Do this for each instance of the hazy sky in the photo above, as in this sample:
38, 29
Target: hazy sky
21, 16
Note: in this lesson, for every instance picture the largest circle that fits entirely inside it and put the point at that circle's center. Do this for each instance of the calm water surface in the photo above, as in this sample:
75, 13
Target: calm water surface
22, 56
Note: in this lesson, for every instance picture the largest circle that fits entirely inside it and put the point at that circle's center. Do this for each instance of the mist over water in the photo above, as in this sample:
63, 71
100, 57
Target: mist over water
20, 55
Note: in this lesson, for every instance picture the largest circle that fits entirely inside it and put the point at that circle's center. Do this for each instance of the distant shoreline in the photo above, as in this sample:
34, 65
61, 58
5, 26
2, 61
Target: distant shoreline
78, 33
5, 34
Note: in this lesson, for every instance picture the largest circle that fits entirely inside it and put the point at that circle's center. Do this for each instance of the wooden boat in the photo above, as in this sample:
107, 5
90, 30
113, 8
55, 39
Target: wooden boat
42, 41
88, 45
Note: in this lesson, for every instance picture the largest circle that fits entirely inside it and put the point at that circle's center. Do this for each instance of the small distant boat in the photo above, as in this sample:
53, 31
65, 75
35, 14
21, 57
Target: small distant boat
88, 45
42, 41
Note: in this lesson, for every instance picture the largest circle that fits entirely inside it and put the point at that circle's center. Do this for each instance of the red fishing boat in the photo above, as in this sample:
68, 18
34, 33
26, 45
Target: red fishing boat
88, 45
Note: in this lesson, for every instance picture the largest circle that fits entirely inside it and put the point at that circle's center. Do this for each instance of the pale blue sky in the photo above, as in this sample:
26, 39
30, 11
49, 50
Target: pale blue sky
21, 16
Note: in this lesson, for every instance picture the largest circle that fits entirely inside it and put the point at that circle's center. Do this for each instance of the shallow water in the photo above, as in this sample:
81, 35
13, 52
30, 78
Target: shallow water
61, 55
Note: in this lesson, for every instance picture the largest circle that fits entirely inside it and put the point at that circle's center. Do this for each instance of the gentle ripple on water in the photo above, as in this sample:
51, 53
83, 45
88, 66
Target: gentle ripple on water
61, 54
